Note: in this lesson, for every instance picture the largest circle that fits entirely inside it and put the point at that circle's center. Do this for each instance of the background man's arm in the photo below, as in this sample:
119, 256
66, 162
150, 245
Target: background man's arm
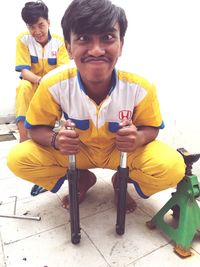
30, 76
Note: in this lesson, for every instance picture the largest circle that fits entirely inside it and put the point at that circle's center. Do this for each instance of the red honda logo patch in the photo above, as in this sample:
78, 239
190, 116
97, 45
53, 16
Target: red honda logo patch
125, 114
53, 53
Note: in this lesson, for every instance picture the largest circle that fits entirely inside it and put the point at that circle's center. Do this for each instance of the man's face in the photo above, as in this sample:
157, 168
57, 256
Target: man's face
39, 30
95, 55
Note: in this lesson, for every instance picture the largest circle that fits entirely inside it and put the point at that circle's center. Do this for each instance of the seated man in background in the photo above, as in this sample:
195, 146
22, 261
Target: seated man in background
107, 110
37, 52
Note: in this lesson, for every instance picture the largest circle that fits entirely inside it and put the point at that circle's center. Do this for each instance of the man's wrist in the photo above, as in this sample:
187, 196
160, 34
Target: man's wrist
53, 140
39, 80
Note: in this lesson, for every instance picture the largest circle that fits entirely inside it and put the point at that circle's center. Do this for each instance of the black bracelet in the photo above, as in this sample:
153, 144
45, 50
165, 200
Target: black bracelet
53, 140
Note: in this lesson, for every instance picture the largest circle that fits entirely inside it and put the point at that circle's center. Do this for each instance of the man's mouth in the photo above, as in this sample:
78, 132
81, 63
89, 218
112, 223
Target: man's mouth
39, 37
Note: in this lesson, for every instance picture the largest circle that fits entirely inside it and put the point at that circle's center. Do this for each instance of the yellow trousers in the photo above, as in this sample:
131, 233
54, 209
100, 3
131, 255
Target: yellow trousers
24, 93
153, 167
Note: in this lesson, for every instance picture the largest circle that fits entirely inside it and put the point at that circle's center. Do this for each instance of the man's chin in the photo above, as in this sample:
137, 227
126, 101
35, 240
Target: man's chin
97, 80
98, 75
41, 40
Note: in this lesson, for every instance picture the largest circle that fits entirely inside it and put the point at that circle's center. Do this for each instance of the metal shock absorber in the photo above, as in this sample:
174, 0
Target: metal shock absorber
122, 179
72, 176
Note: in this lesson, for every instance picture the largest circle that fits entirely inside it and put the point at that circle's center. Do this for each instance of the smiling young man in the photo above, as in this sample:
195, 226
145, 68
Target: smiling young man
99, 100
37, 52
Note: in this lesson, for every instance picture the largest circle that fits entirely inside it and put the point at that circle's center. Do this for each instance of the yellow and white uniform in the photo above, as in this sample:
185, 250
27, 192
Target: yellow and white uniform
40, 60
153, 167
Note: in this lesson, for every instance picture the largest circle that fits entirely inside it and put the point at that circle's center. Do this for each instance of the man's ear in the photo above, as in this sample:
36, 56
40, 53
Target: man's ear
68, 46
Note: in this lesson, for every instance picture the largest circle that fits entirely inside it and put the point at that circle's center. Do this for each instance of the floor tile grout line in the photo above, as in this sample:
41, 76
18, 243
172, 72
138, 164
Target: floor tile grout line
96, 213
196, 251
3, 252
147, 254
95, 247
36, 234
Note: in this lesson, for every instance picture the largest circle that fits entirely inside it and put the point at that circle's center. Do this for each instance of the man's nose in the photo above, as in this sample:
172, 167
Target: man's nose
37, 31
96, 49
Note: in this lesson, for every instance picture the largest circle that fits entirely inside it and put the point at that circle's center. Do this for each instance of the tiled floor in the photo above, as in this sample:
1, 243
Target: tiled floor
46, 243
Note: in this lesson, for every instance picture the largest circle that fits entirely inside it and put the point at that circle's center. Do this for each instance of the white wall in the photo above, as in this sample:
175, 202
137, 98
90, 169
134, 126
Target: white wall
161, 44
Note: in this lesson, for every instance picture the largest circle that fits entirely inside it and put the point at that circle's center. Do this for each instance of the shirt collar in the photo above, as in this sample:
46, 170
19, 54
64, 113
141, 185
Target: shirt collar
113, 82
49, 35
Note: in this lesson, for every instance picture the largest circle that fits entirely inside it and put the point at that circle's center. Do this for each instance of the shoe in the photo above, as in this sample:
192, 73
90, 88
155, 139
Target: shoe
36, 190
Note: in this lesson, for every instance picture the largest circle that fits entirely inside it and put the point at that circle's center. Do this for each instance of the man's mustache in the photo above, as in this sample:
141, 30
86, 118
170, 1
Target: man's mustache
92, 58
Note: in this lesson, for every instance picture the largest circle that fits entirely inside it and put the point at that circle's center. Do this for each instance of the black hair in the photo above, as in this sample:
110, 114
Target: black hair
32, 11
92, 16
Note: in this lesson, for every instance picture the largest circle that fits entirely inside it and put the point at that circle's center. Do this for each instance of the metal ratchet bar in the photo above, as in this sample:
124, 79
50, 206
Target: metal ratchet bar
14, 216
35, 218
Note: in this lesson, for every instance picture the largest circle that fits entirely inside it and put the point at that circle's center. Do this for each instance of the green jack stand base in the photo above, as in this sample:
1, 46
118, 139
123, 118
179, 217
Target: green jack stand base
182, 252
185, 209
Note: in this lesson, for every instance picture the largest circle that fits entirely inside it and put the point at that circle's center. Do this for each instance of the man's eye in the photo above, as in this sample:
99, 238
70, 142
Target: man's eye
107, 37
83, 38
41, 26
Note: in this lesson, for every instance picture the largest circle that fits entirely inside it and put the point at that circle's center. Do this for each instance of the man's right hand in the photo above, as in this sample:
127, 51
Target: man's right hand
67, 140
